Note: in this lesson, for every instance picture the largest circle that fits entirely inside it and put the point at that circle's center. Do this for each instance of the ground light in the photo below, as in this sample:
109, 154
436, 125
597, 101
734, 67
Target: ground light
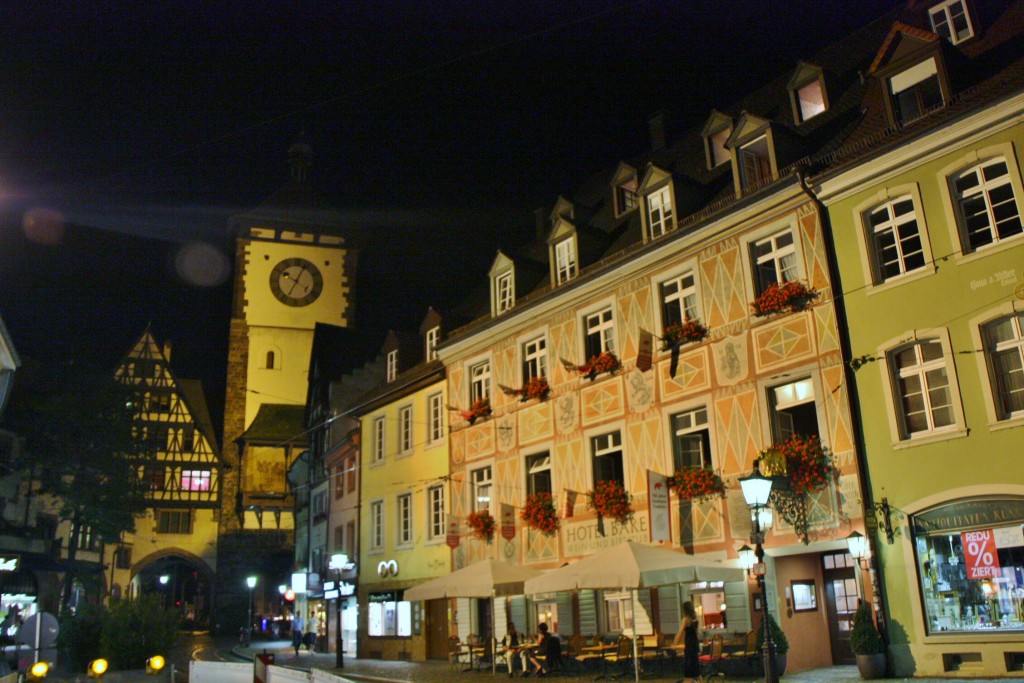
155, 664
97, 668
38, 671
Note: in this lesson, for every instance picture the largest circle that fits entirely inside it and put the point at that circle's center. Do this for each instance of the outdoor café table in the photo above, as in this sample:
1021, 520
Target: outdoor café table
601, 650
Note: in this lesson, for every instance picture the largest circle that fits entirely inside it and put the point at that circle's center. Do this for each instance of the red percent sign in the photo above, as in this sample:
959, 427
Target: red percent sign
980, 554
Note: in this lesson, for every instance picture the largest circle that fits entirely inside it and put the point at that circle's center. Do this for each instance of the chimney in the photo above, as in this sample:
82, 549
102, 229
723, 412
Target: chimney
656, 123
167, 351
540, 223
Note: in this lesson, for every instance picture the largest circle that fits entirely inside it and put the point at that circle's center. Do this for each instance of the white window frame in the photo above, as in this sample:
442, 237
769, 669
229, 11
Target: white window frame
404, 520
814, 108
626, 197
377, 525
479, 380
541, 463
775, 256
765, 173
891, 375
566, 267
504, 292
891, 226
983, 190
196, 476
678, 299
659, 212
535, 357
600, 320
693, 428
941, 17
911, 78
405, 434
379, 434
433, 336
481, 482
866, 241
436, 519
1012, 347
435, 409
392, 365
606, 442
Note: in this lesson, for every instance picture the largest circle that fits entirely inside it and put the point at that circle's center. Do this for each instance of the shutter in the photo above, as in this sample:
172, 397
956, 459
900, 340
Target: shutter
500, 618
588, 613
668, 610
464, 614
737, 598
517, 613
566, 625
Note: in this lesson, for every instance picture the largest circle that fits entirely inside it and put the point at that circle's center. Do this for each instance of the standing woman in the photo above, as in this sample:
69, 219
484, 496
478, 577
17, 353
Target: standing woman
688, 635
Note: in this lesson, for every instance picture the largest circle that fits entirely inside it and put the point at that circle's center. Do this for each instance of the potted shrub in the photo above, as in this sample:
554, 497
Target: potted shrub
867, 644
780, 641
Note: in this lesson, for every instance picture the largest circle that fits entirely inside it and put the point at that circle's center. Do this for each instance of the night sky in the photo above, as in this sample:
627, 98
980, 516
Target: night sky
440, 126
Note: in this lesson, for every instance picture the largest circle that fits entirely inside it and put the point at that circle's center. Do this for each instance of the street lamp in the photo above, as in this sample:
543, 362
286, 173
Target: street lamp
338, 563
756, 490
251, 583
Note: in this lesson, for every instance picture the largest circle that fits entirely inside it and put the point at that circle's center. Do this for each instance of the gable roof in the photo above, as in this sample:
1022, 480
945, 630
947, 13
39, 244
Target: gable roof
277, 424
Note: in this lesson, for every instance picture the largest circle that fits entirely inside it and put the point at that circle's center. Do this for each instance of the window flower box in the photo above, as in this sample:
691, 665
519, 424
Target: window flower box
539, 513
480, 409
603, 362
482, 525
535, 388
783, 297
677, 334
610, 499
697, 483
801, 466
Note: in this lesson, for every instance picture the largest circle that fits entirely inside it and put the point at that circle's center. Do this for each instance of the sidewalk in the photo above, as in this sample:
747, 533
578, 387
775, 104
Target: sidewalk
386, 671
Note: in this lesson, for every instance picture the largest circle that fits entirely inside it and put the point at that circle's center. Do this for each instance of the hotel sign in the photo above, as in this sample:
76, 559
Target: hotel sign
583, 539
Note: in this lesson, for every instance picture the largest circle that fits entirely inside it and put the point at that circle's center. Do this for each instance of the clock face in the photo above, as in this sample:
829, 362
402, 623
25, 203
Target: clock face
296, 282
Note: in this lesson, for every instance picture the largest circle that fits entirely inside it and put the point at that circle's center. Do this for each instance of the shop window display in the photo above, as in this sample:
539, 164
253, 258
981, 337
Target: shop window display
970, 560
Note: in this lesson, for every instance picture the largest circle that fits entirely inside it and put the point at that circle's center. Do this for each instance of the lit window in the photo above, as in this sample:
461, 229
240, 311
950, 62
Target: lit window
659, 212
679, 299
774, 260
810, 100
377, 524
378, 439
195, 480
922, 384
619, 611
565, 261
607, 455
480, 381
503, 293
392, 368
405, 519
538, 473
952, 21
535, 358
755, 163
481, 489
793, 410
1004, 348
388, 617
436, 408
915, 91
433, 337
896, 238
350, 475
600, 332
691, 440
435, 512
986, 205
405, 428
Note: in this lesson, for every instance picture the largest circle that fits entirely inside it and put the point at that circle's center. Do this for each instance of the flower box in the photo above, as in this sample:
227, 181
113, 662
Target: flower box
808, 464
539, 513
783, 297
482, 524
535, 387
697, 483
689, 330
480, 409
603, 362
610, 499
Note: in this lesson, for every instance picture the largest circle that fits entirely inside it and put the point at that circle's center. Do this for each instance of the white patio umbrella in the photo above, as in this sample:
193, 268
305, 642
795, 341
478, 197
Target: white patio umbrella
485, 579
631, 566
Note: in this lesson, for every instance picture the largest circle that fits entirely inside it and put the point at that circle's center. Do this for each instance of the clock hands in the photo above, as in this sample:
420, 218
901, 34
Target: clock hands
296, 281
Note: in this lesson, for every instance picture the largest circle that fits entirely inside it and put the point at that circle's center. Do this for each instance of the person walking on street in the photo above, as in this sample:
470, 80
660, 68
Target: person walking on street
312, 630
688, 636
298, 626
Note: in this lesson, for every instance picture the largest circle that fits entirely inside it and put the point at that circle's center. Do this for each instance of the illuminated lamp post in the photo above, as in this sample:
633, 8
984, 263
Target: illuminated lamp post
338, 564
251, 583
756, 490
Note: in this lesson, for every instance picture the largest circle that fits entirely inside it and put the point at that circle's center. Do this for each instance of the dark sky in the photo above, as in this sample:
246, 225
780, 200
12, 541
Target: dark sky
440, 125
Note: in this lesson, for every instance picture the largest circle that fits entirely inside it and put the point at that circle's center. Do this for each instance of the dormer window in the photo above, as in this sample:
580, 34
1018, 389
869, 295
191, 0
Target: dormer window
916, 91
807, 92
392, 365
716, 133
433, 336
952, 21
503, 297
625, 198
565, 260
811, 99
755, 163
659, 212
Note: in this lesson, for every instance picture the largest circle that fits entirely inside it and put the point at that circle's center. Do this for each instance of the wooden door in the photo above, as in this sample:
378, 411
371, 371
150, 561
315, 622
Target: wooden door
437, 629
840, 604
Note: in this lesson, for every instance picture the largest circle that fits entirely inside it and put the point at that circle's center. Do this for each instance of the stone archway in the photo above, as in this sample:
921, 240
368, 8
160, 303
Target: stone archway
182, 580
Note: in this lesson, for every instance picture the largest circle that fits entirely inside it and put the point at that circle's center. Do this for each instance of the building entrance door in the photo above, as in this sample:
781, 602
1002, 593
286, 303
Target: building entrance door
437, 629
840, 603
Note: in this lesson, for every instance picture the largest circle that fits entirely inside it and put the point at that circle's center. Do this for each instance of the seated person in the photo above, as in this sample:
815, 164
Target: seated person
547, 646
512, 646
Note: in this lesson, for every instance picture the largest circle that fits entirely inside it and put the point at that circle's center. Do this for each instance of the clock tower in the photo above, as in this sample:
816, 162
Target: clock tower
294, 268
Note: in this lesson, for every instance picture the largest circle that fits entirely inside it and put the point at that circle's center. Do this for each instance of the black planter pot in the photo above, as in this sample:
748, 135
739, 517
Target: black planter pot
871, 666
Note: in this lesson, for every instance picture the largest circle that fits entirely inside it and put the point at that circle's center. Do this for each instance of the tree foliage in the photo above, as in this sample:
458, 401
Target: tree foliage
135, 630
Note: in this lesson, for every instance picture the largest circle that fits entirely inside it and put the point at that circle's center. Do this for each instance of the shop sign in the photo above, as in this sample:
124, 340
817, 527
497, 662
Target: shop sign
9, 563
453, 532
386, 568
657, 494
980, 556
1009, 537
508, 522
970, 514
